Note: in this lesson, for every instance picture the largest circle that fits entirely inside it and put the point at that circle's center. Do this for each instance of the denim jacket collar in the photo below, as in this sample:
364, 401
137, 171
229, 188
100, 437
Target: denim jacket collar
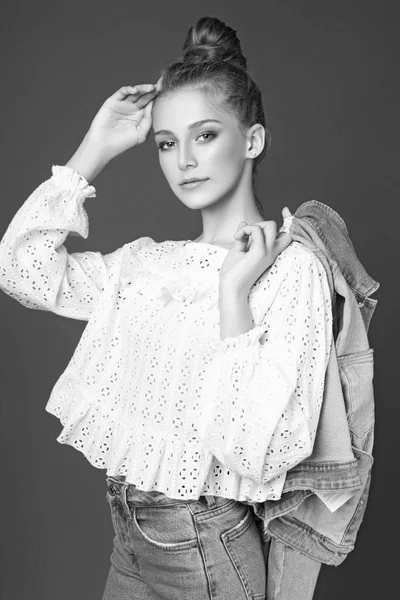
333, 233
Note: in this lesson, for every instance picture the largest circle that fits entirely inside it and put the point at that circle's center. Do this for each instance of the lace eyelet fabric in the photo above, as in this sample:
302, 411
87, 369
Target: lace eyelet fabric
151, 391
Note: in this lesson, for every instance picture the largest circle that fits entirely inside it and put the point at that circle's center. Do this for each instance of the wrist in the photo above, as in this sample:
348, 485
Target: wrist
90, 158
229, 294
235, 314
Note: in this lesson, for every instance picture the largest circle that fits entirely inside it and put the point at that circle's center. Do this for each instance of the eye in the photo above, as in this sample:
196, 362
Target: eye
208, 133
161, 146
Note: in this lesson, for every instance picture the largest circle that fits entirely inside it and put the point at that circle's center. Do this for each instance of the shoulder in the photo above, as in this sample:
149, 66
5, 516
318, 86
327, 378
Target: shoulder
295, 270
297, 259
298, 251
151, 246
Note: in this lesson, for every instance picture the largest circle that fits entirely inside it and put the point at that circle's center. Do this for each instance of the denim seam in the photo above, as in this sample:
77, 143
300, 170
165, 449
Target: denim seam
360, 502
158, 504
240, 528
351, 411
324, 488
280, 513
374, 284
281, 569
212, 512
362, 435
324, 465
316, 534
210, 583
328, 209
330, 560
121, 497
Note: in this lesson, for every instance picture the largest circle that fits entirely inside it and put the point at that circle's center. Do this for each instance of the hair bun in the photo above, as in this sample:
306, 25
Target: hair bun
211, 40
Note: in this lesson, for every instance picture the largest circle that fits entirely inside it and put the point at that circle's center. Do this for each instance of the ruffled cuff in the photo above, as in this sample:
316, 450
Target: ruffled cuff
70, 179
238, 342
72, 189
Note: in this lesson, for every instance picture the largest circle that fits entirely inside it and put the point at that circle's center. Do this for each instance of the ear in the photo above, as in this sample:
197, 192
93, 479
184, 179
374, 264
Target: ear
256, 138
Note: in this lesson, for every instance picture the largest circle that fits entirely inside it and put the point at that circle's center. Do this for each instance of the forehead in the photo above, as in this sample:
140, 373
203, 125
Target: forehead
176, 111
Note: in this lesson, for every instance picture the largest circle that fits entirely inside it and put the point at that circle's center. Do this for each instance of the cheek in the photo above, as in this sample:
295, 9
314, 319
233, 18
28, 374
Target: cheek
227, 153
165, 164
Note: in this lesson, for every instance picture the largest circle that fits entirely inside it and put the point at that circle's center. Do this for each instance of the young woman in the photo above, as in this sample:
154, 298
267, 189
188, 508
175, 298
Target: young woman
198, 380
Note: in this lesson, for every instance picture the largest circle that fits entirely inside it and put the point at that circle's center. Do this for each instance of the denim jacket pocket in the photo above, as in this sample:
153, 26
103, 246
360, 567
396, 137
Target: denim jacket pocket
356, 374
359, 500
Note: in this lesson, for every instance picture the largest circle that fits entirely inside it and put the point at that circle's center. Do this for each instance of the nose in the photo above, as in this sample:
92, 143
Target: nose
186, 158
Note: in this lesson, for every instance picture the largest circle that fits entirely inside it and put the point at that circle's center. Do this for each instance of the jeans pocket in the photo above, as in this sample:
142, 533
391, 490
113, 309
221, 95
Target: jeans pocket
168, 528
244, 546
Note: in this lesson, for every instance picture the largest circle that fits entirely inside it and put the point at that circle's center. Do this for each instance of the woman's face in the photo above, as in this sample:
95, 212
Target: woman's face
214, 151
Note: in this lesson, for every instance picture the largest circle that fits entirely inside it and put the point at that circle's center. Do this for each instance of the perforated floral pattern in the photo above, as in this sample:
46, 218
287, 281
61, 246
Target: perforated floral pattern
152, 392
265, 395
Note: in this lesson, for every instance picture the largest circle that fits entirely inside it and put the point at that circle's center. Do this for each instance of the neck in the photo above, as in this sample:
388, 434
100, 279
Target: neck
221, 220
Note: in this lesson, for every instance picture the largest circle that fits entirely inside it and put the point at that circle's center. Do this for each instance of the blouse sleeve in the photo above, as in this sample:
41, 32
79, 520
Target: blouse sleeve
35, 267
263, 399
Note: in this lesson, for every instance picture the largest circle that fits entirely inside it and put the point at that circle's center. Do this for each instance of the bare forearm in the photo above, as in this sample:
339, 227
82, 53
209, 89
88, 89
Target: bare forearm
235, 315
89, 159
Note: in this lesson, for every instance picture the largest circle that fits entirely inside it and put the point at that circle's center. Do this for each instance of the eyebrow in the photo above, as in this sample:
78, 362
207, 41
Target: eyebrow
191, 126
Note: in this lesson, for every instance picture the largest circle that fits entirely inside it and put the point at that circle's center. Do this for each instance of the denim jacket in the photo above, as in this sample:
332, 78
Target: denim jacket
342, 454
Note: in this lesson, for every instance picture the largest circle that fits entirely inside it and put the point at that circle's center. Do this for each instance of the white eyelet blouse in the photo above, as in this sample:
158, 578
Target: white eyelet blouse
151, 391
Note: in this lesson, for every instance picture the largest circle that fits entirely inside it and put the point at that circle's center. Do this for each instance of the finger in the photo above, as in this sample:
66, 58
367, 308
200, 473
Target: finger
143, 88
134, 90
282, 241
145, 91
240, 239
147, 111
158, 85
287, 221
123, 91
144, 99
270, 230
251, 237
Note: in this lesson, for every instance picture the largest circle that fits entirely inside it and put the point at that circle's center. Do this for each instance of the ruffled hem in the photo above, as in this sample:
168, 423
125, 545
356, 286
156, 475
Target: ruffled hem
152, 461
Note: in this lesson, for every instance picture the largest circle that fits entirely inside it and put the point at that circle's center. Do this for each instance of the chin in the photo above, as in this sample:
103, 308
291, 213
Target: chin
199, 201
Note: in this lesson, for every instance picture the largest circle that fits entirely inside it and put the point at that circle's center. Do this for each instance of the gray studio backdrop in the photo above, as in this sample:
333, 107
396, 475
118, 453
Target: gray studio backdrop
326, 70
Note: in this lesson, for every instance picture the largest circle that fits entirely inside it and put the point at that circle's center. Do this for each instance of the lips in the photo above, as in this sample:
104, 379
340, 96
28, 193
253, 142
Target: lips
191, 181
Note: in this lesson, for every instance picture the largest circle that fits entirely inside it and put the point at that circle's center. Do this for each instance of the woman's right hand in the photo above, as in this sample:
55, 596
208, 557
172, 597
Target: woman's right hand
125, 118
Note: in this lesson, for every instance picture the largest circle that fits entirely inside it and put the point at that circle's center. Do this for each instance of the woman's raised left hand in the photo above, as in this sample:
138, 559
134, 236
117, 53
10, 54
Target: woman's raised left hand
255, 249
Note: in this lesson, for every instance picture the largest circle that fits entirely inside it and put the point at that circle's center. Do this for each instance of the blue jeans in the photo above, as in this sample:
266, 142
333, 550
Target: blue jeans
206, 549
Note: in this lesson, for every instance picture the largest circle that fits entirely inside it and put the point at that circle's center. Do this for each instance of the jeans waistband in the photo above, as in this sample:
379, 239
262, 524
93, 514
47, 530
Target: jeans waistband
130, 493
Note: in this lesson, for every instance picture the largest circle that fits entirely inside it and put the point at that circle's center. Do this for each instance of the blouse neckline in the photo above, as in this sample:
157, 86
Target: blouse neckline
205, 244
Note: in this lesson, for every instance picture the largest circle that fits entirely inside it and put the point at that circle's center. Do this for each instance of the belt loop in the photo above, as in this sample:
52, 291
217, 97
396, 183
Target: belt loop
124, 490
210, 500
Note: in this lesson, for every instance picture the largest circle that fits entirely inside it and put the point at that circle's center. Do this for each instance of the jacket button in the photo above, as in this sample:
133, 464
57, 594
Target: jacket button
112, 490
